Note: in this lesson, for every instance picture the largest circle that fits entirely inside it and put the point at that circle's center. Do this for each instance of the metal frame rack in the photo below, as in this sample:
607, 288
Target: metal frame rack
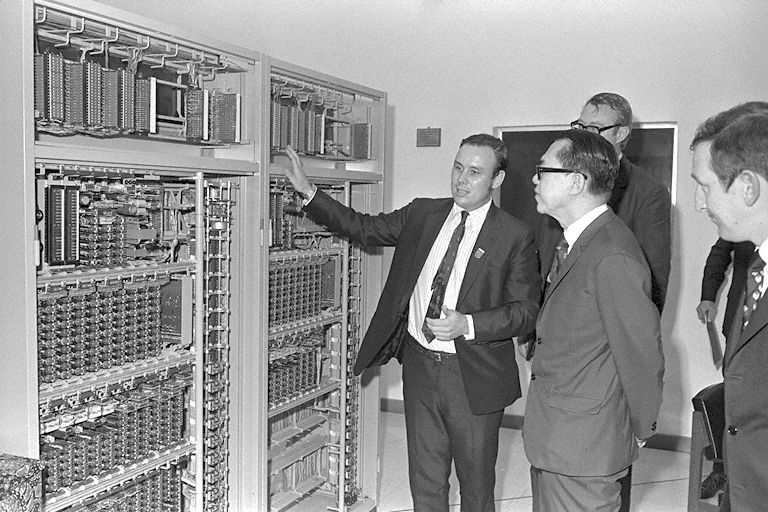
128, 164
322, 433
143, 364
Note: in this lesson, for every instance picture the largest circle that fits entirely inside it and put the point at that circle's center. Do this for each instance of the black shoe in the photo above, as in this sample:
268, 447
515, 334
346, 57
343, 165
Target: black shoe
711, 485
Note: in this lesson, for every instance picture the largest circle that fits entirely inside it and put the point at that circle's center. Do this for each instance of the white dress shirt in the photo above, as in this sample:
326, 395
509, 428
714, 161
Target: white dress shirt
574, 231
422, 292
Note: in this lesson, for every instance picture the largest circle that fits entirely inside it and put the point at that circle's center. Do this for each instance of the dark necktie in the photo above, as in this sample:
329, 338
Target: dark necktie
752, 294
440, 280
561, 252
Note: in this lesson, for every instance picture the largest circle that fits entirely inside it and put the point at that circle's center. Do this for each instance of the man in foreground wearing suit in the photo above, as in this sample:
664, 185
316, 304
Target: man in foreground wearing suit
731, 174
596, 376
718, 261
463, 283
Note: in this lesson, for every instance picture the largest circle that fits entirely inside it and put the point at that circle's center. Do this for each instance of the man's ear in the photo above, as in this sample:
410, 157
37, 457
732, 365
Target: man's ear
622, 133
578, 183
750, 182
498, 179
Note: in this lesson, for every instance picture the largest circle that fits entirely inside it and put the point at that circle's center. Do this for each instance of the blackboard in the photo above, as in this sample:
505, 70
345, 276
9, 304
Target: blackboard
652, 146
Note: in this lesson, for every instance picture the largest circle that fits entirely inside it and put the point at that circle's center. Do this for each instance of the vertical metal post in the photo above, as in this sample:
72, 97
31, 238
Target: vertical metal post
199, 333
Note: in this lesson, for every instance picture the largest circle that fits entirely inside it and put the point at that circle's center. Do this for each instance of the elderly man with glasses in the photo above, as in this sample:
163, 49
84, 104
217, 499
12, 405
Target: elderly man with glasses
641, 202
596, 376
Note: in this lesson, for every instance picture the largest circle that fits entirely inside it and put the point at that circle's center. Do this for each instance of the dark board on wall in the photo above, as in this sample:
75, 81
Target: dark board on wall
652, 146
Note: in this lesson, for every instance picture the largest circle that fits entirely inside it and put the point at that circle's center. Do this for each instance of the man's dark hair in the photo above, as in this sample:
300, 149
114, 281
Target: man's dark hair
741, 145
620, 105
592, 155
715, 124
496, 145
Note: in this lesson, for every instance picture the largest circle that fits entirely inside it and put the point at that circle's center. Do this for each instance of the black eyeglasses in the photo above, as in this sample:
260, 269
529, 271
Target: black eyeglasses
578, 125
540, 170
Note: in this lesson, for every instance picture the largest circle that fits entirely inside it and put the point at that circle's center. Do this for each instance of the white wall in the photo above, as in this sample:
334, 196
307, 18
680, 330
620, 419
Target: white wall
466, 66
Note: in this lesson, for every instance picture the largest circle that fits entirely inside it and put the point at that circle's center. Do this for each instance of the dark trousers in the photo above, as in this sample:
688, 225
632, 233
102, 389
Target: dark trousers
440, 428
626, 490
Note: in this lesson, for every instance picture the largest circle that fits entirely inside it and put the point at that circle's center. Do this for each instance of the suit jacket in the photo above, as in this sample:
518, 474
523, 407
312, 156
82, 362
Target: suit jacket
596, 376
714, 274
500, 288
644, 205
745, 441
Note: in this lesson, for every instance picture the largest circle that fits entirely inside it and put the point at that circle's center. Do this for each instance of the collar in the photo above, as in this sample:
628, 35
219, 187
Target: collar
476, 215
763, 250
577, 227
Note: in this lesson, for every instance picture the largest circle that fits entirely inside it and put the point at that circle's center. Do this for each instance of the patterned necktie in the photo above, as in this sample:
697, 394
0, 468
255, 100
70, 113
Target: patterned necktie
561, 252
752, 294
440, 280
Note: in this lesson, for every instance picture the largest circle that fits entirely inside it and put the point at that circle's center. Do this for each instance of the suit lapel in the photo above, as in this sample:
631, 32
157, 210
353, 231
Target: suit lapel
432, 223
484, 244
575, 253
757, 321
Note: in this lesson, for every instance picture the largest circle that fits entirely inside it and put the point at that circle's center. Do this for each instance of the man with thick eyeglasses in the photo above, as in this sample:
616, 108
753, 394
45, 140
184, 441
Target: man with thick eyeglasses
596, 375
640, 201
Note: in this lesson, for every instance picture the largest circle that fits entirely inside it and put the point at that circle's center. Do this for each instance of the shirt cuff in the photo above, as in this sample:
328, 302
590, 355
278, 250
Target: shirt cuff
471, 325
309, 197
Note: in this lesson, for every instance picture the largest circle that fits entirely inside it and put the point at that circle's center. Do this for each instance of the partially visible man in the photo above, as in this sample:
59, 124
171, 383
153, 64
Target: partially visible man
596, 376
720, 257
731, 175
640, 201
717, 263
462, 284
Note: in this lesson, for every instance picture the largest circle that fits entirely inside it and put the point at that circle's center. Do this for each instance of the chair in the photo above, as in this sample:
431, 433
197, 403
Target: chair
706, 442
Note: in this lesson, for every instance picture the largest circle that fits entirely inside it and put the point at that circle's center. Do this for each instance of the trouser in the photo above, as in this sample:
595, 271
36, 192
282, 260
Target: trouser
553, 492
440, 428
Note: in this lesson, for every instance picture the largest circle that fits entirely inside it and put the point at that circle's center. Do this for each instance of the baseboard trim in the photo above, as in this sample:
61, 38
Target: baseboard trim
667, 442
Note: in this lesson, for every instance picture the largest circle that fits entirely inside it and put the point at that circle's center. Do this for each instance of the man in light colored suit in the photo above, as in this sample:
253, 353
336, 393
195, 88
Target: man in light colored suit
731, 174
596, 374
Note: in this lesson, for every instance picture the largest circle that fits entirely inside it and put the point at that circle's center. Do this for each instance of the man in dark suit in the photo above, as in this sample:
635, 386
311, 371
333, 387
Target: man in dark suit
717, 263
720, 257
731, 174
596, 376
462, 284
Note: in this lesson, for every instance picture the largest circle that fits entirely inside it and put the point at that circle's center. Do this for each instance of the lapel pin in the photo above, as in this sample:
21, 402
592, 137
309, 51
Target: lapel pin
479, 253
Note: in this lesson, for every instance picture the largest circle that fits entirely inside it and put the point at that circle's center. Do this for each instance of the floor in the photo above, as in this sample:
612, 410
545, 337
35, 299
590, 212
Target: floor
659, 480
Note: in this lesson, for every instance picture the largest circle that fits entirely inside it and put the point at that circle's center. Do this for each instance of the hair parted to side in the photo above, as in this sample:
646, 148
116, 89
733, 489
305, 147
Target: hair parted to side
741, 145
593, 156
494, 143
716, 123
620, 105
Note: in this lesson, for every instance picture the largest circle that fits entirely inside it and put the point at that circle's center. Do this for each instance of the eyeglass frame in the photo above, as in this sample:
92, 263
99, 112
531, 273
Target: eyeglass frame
591, 128
541, 169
